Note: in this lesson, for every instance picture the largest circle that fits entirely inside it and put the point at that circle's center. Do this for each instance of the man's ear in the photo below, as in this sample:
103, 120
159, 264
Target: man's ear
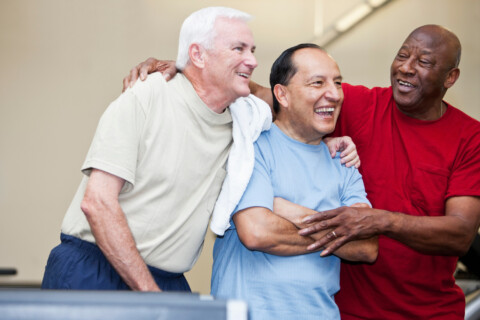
197, 55
452, 76
281, 93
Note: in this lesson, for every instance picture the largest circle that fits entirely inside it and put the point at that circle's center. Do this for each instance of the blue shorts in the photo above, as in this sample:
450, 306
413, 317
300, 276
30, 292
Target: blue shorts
80, 265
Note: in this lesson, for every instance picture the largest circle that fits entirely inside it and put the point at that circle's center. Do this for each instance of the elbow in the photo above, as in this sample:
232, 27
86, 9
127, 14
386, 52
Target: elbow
463, 246
252, 240
90, 206
464, 240
87, 207
370, 252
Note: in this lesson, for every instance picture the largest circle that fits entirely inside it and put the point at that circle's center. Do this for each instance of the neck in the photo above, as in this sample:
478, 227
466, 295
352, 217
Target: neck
431, 114
297, 131
207, 92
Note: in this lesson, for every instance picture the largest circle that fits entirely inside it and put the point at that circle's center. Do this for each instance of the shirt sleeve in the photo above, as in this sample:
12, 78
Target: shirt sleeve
259, 191
465, 177
114, 148
354, 190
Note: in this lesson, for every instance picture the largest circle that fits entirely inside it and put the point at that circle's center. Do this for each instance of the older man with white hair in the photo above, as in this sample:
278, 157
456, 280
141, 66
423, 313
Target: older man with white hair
156, 166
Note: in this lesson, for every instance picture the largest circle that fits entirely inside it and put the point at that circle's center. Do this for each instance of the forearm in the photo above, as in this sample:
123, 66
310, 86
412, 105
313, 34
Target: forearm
111, 231
259, 229
115, 239
263, 93
437, 235
359, 250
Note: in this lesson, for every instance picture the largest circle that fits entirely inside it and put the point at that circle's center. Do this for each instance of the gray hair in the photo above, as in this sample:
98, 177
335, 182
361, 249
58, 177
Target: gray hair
199, 28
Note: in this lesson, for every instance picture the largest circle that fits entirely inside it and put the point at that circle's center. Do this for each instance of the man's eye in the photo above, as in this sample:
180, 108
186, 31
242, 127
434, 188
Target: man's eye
239, 49
338, 83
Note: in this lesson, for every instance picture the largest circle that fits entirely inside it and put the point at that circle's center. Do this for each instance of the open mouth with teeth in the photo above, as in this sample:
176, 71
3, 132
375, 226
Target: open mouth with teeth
325, 112
406, 84
244, 75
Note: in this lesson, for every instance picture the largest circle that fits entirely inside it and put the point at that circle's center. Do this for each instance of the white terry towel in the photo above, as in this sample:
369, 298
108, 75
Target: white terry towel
250, 116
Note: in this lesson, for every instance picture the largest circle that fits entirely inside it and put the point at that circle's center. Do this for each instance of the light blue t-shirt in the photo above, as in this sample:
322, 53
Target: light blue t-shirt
279, 287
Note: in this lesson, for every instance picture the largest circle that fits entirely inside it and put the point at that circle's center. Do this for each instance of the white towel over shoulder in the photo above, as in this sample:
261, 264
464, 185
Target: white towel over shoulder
250, 116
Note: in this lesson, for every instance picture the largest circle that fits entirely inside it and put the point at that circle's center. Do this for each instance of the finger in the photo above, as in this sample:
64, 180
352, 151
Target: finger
125, 84
358, 163
355, 162
321, 243
349, 150
349, 157
168, 70
333, 246
317, 227
133, 77
332, 148
144, 71
319, 216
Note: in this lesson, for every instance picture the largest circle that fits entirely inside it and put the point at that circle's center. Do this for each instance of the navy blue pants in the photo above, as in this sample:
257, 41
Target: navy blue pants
80, 265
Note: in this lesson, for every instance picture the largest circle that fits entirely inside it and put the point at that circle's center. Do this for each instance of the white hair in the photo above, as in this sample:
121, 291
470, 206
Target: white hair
199, 28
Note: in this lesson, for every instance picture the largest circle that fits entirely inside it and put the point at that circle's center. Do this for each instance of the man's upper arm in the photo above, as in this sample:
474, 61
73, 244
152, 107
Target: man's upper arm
115, 146
466, 208
103, 184
250, 225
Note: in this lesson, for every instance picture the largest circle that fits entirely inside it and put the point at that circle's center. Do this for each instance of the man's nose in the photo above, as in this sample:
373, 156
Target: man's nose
333, 92
250, 60
407, 66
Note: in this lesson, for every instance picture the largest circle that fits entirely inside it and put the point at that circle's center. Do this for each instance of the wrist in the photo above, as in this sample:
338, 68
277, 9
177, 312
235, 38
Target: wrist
386, 222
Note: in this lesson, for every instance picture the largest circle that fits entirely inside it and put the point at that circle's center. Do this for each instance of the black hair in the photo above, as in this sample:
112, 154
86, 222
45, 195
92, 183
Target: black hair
283, 69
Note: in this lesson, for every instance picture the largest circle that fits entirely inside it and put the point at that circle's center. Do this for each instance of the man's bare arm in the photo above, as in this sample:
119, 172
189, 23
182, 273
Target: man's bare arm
451, 234
360, 250
112, 234
263, 93
260, 229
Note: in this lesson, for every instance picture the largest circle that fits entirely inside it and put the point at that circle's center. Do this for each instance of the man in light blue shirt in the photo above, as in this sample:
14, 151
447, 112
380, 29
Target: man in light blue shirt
261, 258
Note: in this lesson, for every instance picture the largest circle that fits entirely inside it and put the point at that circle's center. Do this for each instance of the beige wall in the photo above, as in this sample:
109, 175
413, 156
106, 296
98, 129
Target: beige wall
61, 63
365, 54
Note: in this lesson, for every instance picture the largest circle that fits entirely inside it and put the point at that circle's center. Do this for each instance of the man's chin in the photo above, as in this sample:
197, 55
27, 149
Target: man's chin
244, 93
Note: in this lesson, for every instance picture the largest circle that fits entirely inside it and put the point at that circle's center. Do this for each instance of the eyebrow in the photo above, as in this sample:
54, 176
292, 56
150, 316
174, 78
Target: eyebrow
337, 78
424, 51
244, 45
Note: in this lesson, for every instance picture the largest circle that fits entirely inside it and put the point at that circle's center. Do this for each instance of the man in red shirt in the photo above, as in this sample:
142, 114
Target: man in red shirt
421, 169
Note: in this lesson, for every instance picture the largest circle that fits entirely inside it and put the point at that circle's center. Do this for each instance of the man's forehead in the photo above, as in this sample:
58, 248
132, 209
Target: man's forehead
423, 49
233, 30
319, 62
226, 23
425, 39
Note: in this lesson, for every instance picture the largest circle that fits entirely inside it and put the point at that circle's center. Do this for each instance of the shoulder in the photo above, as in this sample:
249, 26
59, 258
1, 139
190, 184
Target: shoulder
147, 92
269, 146
463, 125
363, 90
264, 142
152, 86
465, 118
357, 97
